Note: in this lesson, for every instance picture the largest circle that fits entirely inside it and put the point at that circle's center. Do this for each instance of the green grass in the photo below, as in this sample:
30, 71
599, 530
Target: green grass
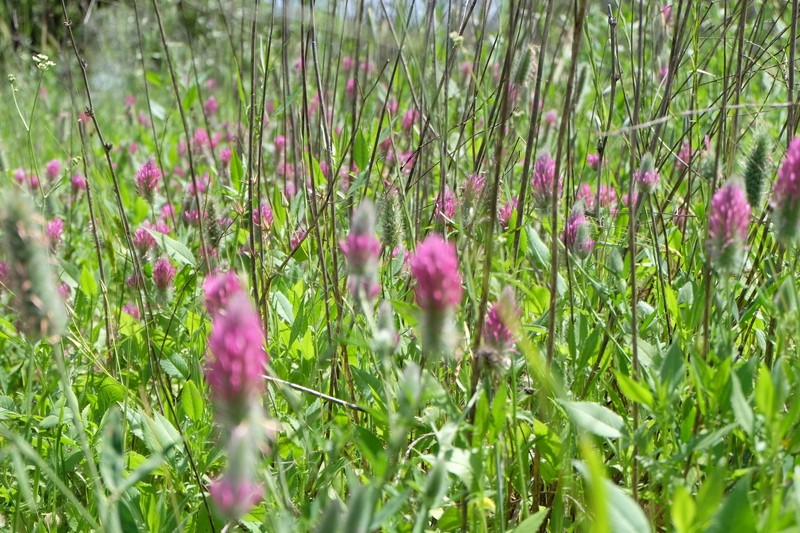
673, 407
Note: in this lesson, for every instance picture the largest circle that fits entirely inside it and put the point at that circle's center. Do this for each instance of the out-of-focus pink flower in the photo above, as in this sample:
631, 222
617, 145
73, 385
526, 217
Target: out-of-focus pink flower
347, 63
78, 183
297, 239
593, 160
786, 196
53, 169
130, 100
163, 273
666, 14
33, 182
210, 106
391, 106
225, 156
235, 498
54, 231
411, 116
218, 288
684, 156
551, 117
64, 291
235, 372
20, 176
131, 309
350, 88
280, 143
362, 250
505, 212
200, 139
445, 206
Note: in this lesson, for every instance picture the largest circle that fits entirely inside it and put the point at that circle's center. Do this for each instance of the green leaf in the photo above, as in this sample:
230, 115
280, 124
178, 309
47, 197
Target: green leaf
237, 171
741, 409
683, 510
634, 390
624, 514
88, 283
595, 419
360, 151
282, 306
175, 366
192, 401
736, 513
765, 393
533, 522
177, 251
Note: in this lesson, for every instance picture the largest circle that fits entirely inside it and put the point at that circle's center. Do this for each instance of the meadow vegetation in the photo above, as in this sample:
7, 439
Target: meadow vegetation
360, 265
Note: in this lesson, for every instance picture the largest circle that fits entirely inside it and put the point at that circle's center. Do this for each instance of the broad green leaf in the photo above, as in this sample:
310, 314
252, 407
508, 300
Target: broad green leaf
533, 522
595, 419
88, 283
683, 510
175, 250
741, 408
634, 390
192, 401
360, 152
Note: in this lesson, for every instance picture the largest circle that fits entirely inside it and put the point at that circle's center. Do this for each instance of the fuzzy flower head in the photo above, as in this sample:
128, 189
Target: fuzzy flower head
362, 250
53, 169
577, 235
497, 330
54, 231
786, 196
217, 290
727, 228
435, 267
593, 160
505, 212
473, 189
544, 176
684, 156
263, 216
78, 183
163, 273
235, 371
445, 207
147, 179
234, 498
647, 176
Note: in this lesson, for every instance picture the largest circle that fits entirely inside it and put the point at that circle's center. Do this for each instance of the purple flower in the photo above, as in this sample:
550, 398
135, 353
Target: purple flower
263, 216
20, 176
577, 235
435, 267
78, 183
727, 227
362, 251
225, 156
593, 160
551, 117
163, 273
54, 230
544, 174
280, 143
786, 195
210, 106
53, 169
297, 239
445, 207
218, 288
409, 118
505, 212
684, 156
496, 330
235, 498
236, 342
147, 179
350, 88
647, 176
131, 309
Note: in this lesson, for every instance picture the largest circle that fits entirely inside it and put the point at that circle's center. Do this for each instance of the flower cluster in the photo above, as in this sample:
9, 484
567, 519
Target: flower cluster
577, 235
438, 291
727, 228
786, 196
544, 176
147, 178
362, 250
235, 377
